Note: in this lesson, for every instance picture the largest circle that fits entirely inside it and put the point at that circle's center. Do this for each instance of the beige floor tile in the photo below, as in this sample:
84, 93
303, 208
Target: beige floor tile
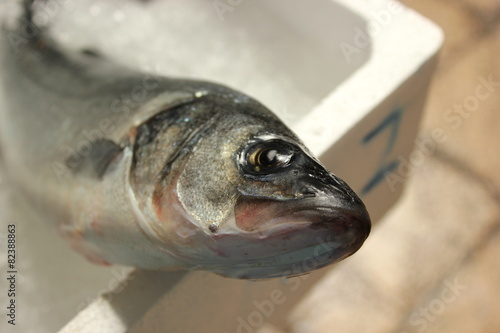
267, 328
488, 10
467, 108
460, 26
443, 217
466, 301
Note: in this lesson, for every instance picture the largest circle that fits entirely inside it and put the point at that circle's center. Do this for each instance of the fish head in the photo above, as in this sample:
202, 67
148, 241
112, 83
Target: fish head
288, 198
249, 201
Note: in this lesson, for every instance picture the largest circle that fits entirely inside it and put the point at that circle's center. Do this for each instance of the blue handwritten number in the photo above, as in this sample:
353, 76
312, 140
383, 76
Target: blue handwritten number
392, 122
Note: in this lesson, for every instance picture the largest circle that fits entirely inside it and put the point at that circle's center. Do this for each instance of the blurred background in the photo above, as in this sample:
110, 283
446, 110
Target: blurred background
432, 264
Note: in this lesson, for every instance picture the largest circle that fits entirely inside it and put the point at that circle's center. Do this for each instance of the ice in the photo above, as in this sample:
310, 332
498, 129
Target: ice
259, 47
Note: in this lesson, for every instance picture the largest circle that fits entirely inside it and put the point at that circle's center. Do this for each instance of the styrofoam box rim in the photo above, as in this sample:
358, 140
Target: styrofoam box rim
385, 70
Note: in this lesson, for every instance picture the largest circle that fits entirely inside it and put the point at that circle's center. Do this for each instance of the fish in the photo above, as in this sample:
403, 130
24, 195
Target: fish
162, 173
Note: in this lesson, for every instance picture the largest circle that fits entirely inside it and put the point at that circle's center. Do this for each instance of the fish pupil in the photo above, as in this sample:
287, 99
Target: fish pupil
268, 157
271, 157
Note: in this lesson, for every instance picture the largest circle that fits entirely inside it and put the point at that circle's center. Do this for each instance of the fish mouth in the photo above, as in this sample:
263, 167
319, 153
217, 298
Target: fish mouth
292, 237
293, 263
320, 212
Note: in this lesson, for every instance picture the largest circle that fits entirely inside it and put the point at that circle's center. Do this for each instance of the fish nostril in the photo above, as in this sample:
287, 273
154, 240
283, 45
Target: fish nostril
326, 185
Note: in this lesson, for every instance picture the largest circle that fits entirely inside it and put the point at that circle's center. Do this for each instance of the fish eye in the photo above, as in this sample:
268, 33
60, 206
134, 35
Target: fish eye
267, 157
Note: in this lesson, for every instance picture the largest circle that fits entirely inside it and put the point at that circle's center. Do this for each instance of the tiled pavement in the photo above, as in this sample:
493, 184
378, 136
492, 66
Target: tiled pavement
433, 264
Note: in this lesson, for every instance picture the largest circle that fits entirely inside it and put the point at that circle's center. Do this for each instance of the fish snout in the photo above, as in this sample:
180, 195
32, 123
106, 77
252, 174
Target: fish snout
348, 227
291, 238
322, 229
335, 205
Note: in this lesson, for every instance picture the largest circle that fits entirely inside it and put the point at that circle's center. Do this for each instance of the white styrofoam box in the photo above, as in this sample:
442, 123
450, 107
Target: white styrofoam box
349, 77
365, 129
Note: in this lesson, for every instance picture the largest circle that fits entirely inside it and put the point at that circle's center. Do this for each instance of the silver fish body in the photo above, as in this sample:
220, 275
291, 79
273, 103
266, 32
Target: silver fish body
160, 173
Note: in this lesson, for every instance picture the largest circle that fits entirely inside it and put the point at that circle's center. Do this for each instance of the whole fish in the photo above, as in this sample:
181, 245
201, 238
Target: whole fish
162, 173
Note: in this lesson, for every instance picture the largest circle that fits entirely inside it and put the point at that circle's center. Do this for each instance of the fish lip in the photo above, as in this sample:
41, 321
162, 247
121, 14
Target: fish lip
278, 267
359, 214
318, 212
351, 225
343, 231
348, 210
